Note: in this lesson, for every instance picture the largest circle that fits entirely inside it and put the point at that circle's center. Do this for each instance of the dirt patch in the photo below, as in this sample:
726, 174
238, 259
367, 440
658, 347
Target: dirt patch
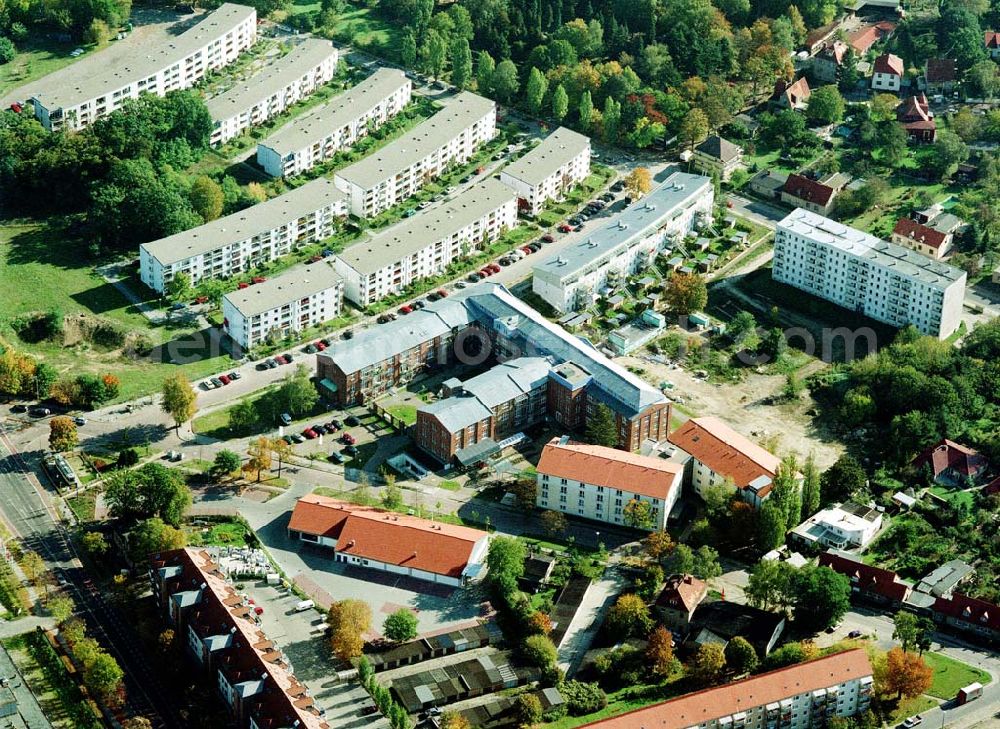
754, 407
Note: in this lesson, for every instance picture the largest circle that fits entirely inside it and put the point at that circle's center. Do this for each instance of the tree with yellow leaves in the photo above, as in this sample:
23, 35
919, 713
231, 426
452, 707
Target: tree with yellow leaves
260, 457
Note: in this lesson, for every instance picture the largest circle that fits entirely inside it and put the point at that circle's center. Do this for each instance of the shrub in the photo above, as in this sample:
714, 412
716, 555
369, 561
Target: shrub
539, 650
583, 698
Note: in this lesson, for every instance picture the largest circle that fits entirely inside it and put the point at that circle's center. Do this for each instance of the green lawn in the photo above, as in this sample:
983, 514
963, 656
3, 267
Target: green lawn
365, 30
224, 534
624, 700
83, 506
405, 412
951, 675
36, 58
953, 496
41, 269
216, 423
909, 707
450, 485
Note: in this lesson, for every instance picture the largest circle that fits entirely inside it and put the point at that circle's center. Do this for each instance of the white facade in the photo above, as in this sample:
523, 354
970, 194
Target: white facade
426, 243
213, 43
601, 503
835, 527
290, 303
291, 78
308, 140
399, 169
807, 710
574, 277
865, 274
549, 170
243, 240
886, 81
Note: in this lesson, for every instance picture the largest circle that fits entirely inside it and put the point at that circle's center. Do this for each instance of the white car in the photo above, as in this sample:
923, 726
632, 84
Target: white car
913, 721
76, 52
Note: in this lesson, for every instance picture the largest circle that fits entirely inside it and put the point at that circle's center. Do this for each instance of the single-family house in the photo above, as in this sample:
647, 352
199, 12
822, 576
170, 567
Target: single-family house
888, 73
951, 463
793, 95
940, 75
800, 191
718, 155
842, 526
678, 600
827, 63
922, 238
719, 621
915, 115
991, 40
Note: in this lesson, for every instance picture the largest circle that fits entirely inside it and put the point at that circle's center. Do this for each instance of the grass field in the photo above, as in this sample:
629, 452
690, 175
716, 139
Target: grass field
403, 411
40, 270
36, 58
951, 675
224, 534
450, 485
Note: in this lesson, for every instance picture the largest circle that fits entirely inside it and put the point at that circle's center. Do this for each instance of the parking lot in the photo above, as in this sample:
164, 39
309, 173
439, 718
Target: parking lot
301, 636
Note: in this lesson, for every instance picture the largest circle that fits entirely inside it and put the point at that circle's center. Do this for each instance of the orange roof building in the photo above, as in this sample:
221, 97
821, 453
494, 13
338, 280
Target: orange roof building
599, 483
836, 685
677, 601
720, 454
222, 630
404, 545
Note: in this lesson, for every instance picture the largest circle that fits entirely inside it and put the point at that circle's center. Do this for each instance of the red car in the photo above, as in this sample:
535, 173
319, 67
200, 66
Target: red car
258, 279
309, 433
348, 439
280, 359
242, 285
548, 238
315, 259
493, 268
526, 250
565, 227
484, 272
258, 610
442, 293
224, 379
320, 345
405, 309
201, 300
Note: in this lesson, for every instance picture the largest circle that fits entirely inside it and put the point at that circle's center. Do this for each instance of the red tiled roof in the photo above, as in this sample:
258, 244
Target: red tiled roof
970, 610
889, 64
610, 467
866, 577
682, 592
940, 69
715, 703
948, 454
919, 232
796, 92
914, 108
834, 52
398, 539
725, 451
863, 39
809, 190
991, 39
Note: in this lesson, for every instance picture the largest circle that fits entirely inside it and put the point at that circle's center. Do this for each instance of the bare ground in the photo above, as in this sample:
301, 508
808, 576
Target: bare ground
754, 407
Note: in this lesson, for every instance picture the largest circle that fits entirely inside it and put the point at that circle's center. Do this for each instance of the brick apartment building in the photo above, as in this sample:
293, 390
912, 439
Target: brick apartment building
484, 322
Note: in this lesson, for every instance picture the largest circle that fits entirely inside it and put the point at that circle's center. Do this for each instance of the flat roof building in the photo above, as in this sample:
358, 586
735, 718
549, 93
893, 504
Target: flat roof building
425, 244
599, 483
179, 63
397, 543
803, 695
289, 303
574, 277
319, 134
239, 242
546, 172
308, 64
860, 272
402, 167
842, 526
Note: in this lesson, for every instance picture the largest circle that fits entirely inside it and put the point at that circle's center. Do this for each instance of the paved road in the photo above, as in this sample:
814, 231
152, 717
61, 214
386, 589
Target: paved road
27, 511
761, 212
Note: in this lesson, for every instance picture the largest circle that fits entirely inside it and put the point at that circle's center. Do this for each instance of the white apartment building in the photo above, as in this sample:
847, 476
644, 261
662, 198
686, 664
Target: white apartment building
424, 244
178, 64
243, 240
309, 64
313, 137
550, 169
595, 482
803, 696
862, 273
574, 277
292, 302
399, 169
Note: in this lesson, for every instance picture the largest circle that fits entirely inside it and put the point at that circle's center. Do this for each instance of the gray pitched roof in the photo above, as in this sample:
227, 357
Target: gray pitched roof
419, 142
291, 286
300, 59
719, 148
353, 104
556, 150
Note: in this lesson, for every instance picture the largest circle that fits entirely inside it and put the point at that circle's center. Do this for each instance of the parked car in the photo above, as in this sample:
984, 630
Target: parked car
912, 721
424, 205
352, 420
208, 385
337, 425
419, 304
608, 197
405, 309
618, 186
854, 634
548, 238
320, 428
217, 382
41, 412
442, 293
460, 284
505, 261
565, 228
297, 438
351, 450
348, 439
309, 348
309, 433
285, 418
280, 359
475, 276
535, 247
19, 408
347, 334
224, 379
79, 420
234, 375
335, 457
320, 345
333, 426
384, 318
409, 213
493, 268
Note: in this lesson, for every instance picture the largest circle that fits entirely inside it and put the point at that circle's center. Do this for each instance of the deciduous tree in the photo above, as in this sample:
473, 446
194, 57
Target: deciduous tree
693, 129
660, 652
62, 434
741, 656
260, 457
686, 293
553, 522
206, 198
629, 616
708, 664
349, 620
226, 464
178, 399
638, 514
658, 545
638, 182
539, 650
906, 674
560, 103
534, 91
400, 626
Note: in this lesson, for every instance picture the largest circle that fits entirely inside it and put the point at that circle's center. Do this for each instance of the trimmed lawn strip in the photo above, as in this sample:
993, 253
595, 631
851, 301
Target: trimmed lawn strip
950, 675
